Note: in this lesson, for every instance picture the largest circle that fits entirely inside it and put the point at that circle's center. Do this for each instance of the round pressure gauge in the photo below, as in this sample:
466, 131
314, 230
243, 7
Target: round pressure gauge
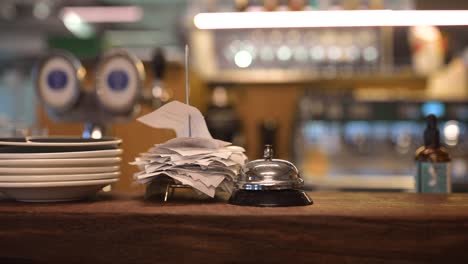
58, 81
119, 81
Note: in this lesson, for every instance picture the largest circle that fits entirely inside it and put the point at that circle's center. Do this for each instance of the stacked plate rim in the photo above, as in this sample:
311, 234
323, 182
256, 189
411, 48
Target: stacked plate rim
52, 169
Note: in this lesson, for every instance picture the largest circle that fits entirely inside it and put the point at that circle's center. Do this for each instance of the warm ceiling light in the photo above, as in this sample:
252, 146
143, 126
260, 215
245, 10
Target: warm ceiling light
342, 18
105, 14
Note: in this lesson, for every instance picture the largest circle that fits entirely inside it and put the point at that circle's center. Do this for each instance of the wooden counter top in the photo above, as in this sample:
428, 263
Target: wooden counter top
338, 228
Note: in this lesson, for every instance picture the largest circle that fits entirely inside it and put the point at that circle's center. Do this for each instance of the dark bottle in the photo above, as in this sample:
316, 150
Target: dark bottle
433, 162
159, 94
222, 119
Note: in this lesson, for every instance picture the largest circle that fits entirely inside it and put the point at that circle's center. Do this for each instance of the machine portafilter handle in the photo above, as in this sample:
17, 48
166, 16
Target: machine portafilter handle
159, 64
158, 94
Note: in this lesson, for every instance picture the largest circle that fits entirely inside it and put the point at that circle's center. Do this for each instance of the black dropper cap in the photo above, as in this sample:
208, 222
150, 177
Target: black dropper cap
431, 134
159, 63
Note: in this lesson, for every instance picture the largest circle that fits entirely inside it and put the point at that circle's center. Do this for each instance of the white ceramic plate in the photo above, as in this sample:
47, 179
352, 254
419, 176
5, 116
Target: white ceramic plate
63, 155
59, 177
59, 141
84, 162
53, 171
53, 191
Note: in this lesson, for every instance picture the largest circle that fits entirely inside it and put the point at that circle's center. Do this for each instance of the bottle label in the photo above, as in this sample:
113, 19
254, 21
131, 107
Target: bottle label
433, 177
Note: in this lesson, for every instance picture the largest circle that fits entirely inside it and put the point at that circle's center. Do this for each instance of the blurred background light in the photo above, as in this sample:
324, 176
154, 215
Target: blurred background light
41, 10
330, 18
77, 26
243, 59
435, 108
106, 14
451, 132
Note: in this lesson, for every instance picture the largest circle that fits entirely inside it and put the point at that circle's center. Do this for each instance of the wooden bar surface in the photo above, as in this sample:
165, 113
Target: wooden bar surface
338, 228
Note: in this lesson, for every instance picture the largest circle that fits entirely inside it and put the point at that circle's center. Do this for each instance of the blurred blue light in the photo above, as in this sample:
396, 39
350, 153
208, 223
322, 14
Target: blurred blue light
435, 108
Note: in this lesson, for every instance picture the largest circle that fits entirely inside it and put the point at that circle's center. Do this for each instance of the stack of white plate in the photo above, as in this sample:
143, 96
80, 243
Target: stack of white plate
51, 169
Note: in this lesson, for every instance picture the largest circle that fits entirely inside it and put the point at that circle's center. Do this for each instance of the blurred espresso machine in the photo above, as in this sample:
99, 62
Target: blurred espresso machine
71, 94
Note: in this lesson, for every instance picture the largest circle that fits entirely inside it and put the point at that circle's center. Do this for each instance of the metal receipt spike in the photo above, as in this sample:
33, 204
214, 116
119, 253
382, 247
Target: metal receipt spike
169, 190
187, 88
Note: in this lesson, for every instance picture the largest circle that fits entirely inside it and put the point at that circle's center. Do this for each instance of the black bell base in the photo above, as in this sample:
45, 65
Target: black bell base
270, 198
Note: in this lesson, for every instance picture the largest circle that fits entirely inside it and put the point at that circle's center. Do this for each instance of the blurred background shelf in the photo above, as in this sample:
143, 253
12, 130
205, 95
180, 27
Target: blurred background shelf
273, 77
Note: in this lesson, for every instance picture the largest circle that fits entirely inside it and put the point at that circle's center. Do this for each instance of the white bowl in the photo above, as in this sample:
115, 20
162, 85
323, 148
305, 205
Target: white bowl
80, 162
54, 171
59, 141
63, 155
53, 191
59, 177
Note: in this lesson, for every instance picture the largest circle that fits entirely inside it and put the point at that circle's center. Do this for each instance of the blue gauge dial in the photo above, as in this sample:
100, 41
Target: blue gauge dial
117, 80
57, 79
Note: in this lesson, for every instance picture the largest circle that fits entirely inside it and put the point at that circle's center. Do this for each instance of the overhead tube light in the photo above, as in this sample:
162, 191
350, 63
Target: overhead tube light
333, 18
105, 14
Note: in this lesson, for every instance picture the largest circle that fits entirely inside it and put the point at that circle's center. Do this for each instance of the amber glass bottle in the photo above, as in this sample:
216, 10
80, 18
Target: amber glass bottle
433, 162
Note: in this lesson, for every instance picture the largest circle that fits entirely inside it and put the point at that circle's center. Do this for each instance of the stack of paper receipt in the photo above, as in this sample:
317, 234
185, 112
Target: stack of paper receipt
199, 161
